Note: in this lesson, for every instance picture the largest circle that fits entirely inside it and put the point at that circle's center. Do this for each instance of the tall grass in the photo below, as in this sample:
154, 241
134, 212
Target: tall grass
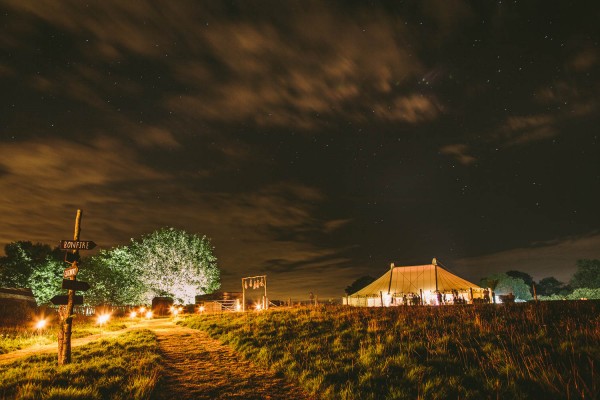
524, 351
125, 367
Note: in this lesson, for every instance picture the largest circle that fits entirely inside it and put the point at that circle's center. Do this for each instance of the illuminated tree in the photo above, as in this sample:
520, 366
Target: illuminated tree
46, 279
528, 279
175, 263
113, 278
20, 261
508, 284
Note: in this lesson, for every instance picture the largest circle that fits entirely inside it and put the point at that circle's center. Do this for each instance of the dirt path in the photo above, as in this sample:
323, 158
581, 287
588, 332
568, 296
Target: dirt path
198, 367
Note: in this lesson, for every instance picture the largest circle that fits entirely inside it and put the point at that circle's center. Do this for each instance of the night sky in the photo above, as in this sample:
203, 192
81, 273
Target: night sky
315, 142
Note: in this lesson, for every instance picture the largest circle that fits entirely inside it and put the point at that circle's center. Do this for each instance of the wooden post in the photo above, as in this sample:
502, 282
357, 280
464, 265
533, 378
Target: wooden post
243, 296
266, 306
66, 313
391, 274
534, 292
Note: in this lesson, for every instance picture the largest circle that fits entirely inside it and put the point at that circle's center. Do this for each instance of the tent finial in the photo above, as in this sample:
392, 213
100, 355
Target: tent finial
392, 265
434, 261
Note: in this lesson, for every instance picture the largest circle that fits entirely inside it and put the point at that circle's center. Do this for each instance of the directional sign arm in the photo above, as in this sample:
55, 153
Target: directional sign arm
77, 244
75, 285
62, 300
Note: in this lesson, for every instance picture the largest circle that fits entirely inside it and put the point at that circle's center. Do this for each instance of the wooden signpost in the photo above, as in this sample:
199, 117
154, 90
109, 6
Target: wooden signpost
66, 302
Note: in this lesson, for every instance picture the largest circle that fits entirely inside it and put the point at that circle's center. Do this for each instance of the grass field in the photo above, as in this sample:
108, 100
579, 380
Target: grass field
125, 367
546, 350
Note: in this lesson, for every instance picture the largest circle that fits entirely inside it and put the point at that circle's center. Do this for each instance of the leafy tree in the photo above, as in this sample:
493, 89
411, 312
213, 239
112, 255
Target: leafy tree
20, 260
528, 279
112, 277
176, 264
359, 284
549, 286
508, 284
585, 293
45, 280
587, 274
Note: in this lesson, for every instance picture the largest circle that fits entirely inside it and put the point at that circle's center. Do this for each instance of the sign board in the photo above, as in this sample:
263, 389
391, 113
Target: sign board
70, 272
75, 285
62, 300
77, 244
71, 257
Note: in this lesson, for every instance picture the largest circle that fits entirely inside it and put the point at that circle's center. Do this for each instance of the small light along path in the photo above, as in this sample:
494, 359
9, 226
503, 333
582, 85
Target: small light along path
198, 367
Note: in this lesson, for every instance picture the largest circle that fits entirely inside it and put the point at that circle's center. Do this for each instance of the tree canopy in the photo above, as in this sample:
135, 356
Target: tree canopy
36, 266
20, 261
113, 278
587, 274
549, 286
175, 263
508, 284
527, 279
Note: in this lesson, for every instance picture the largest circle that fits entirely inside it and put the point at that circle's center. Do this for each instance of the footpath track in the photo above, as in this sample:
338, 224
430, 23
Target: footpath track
198, 367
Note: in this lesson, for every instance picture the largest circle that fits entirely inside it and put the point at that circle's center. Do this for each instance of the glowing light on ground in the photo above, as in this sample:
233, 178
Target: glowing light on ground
41, 324
149, 314
132, 314
102, 319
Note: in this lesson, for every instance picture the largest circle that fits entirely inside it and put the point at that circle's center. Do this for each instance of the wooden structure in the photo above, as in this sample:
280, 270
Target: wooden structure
258, 282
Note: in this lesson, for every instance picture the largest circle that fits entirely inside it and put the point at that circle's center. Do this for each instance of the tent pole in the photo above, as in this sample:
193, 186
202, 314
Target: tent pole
391, 273
436, 279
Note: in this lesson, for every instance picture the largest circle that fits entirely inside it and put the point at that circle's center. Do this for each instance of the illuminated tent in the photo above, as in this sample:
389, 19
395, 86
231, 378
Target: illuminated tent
418, 284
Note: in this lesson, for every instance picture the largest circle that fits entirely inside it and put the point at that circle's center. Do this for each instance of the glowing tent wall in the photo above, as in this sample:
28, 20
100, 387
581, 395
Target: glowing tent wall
419, 280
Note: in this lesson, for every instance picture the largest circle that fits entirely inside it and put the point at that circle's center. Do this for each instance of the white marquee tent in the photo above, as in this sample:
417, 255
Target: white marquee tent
428, 284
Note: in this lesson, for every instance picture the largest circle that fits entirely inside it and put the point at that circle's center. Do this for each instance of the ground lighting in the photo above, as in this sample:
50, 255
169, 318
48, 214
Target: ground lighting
41, 324
103, 318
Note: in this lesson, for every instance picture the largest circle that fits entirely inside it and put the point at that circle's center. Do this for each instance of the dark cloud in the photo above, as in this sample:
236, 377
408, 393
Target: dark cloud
459, 152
